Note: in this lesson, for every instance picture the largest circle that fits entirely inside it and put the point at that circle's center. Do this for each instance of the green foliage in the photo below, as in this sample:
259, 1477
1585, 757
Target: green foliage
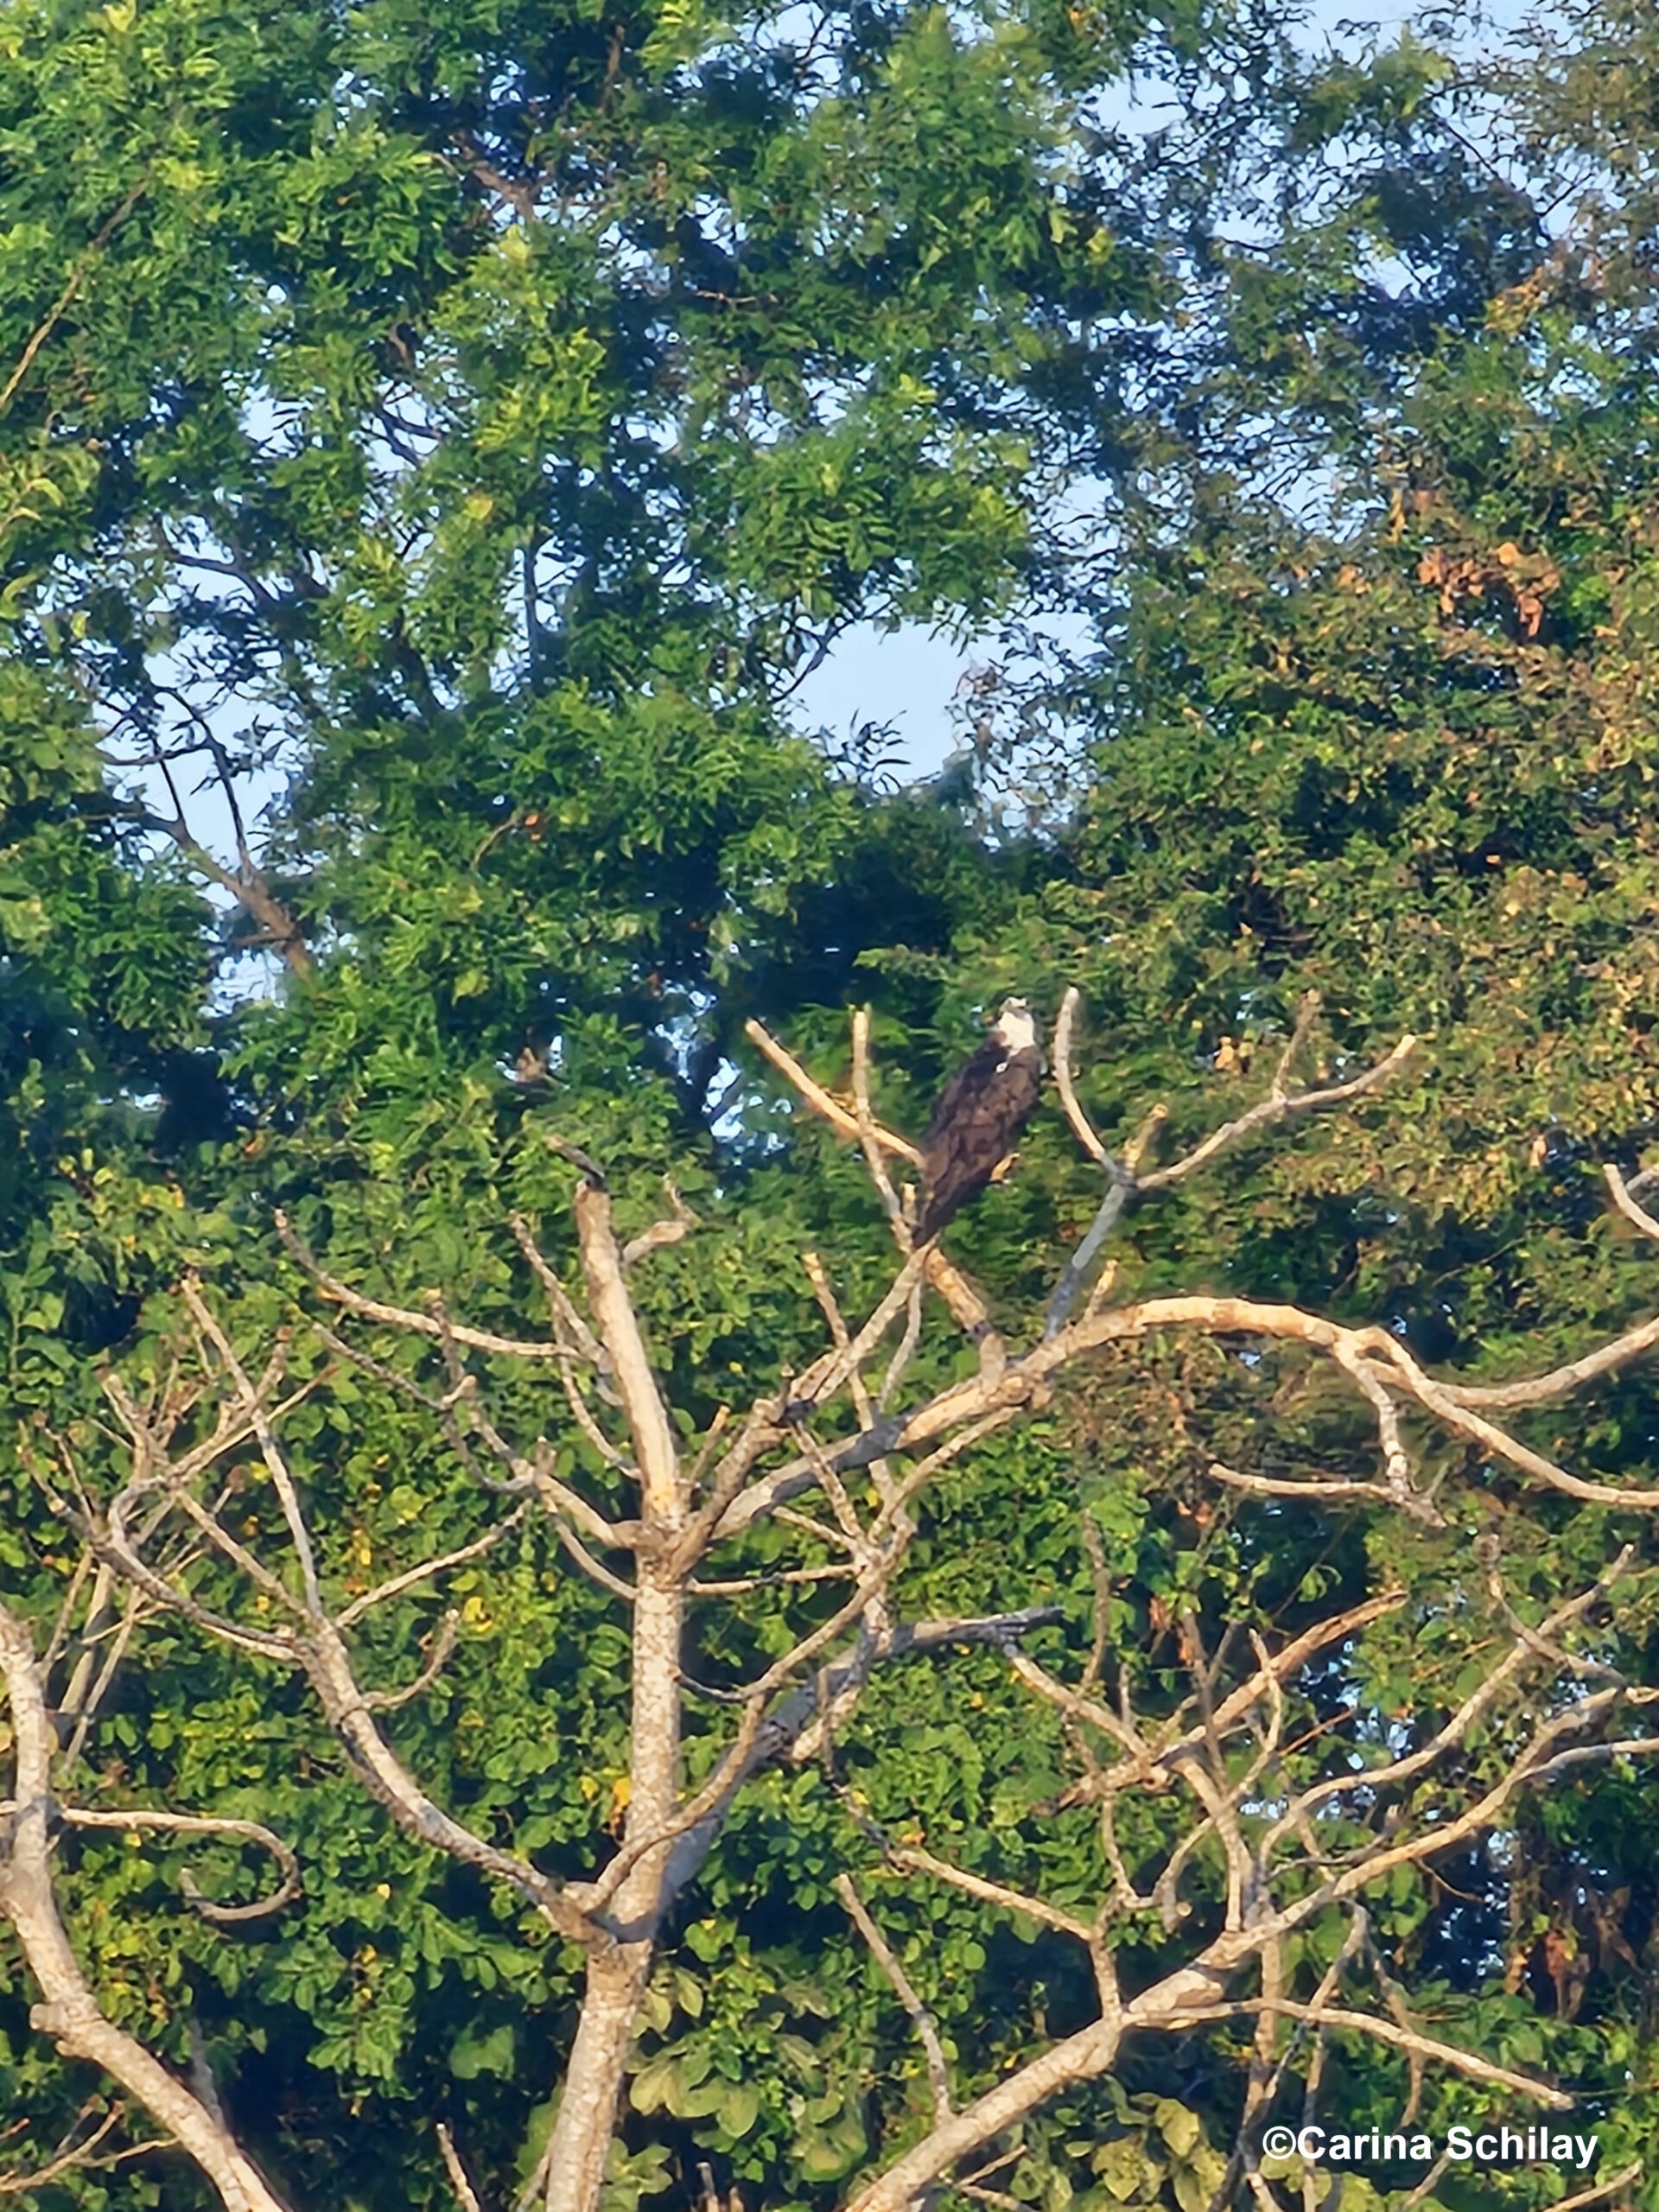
456, 430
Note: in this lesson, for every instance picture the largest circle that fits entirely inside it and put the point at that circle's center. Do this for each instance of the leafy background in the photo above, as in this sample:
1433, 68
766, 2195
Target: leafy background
456, 431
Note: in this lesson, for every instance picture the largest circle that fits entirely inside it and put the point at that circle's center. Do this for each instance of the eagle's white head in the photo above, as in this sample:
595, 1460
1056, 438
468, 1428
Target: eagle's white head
1016, 1026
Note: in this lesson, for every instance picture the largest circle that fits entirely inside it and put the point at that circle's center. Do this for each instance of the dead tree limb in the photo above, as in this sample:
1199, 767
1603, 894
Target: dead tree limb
1254, 1784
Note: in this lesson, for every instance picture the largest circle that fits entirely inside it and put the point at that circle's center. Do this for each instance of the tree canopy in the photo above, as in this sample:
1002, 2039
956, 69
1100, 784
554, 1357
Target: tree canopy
553, 1656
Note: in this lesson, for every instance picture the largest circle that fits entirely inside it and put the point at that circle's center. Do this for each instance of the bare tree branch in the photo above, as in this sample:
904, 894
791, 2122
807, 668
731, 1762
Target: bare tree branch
833, 1112
927, 2027
673, 1230
401, 1317
1082, 1128
466, 2194
252, 1405
1384, 2031
443, 1647
223, 1916
618, 1329
70, 2156
1127, 1184
915, 1860
414, 1576
1603, 2189
69, 2011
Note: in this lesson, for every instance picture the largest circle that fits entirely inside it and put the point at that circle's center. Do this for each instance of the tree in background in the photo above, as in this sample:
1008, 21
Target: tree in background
476, 428
1287, 1824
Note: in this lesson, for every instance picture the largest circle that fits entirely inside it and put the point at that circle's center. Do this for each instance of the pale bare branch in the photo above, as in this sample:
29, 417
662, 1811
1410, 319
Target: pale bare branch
785, 1578
69, 2011
738, 1760
388, 1780
833, 1112
793, 1731
1082, 1128
1467, 2063
224, 1916
596, 1573
71, 2157
868, 1138
1278, 1106
466, 2194
98, 1604
915, 1860
1075, 2058
822, 1380
567, 1317
1075, 1272
1633, 1212
84, 1697
679, 1225
1396, 1465
1393, 1772
1312, 1486
145, 1486
1603, 1359
403, 1317
1329, 1982
618, 1329
830, 1306
462, 1397
904, 1352
444, 1646
1126, 1183
1308, 1013
112, 1542
413, 1577
927, 2027
253, 1409
1602, 2189
1456, 1409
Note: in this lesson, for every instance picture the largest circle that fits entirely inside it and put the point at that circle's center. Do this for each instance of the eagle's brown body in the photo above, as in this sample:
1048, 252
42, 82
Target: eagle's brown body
980, 1118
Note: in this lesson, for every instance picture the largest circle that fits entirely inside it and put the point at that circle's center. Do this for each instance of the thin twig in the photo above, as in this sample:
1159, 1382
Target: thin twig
1399, 2039
401, 1317
1277, 1107
915, 1860
443, 1645
466, 2194
1081, 1126
83, 2155
413, 1577
927, 2027
76, 276
79, 1816
1611, 2186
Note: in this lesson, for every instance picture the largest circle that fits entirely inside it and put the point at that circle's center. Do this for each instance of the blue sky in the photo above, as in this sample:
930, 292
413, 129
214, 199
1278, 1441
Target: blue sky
908, 678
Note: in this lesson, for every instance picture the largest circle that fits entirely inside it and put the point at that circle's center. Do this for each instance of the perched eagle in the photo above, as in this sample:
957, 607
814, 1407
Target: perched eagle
980, 1117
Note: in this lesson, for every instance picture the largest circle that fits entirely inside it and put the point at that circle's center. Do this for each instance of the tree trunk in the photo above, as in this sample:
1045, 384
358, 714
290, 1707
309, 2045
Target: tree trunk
616, 1977
593, 2082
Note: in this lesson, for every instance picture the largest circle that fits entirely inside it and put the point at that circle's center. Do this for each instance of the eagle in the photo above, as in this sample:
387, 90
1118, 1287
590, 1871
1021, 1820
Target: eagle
980, 1116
